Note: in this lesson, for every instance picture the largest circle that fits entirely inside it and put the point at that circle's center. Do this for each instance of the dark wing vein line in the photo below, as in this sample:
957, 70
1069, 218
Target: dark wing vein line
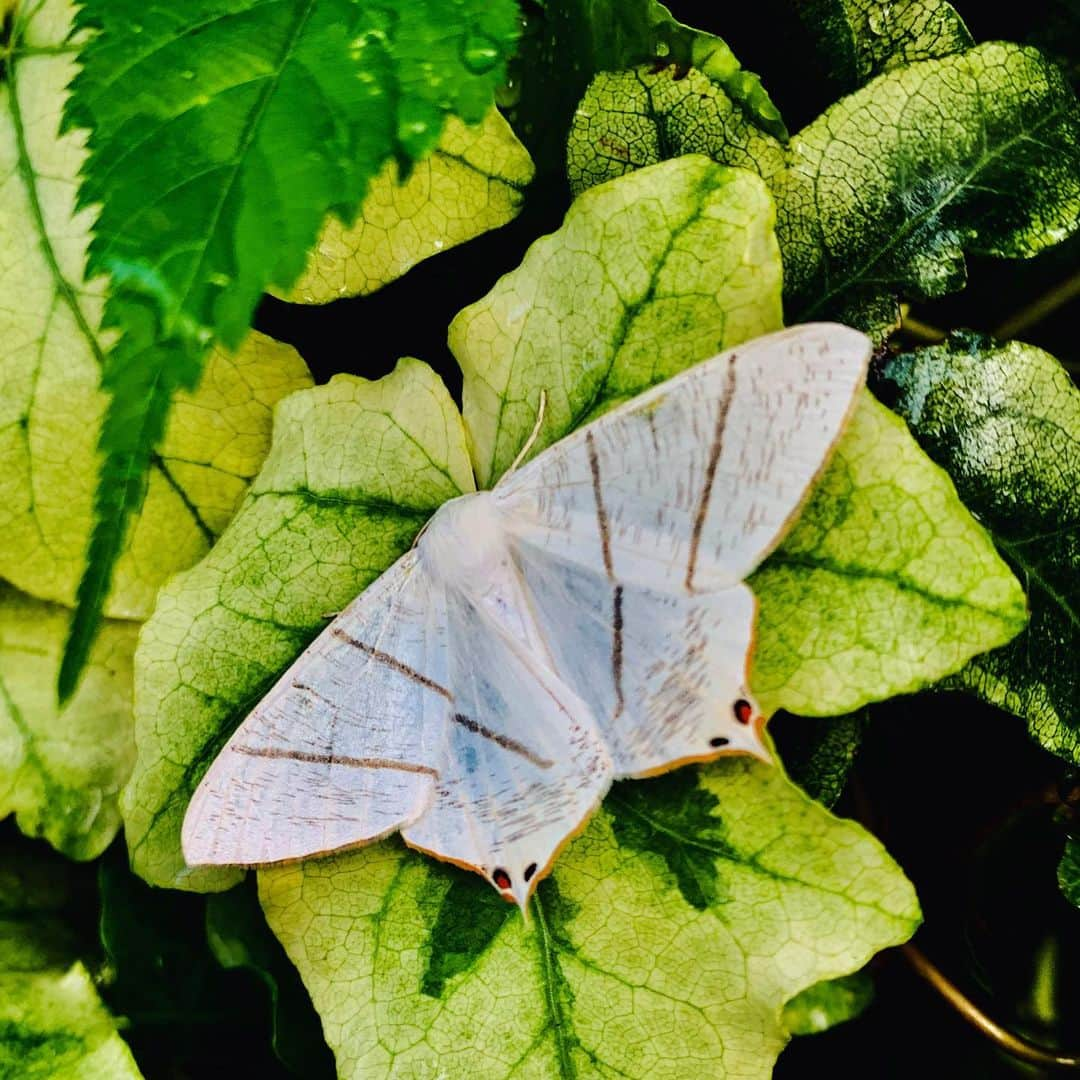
710, 472
609, 568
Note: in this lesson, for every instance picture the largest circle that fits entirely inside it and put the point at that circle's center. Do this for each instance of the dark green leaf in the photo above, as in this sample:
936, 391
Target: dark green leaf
818, 752
884, 193
565, 43
859, 39
1068, 873
1004, 421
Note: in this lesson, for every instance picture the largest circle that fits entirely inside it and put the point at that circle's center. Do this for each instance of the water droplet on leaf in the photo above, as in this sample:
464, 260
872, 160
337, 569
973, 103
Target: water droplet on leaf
479, 53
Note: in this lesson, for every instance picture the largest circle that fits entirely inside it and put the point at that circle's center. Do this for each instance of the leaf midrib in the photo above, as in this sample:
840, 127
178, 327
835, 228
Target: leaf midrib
831, 566
247, 137
549, 976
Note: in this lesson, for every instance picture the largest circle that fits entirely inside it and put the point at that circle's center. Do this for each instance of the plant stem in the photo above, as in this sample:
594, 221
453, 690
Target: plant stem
922, 332
1012, 1044
1039, 308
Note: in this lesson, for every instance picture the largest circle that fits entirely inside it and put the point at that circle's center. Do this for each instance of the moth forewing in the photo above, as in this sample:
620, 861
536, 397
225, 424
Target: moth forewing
687, 487
345, 746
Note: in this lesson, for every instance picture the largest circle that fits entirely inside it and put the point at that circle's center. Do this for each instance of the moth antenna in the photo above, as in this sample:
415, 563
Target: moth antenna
522, 453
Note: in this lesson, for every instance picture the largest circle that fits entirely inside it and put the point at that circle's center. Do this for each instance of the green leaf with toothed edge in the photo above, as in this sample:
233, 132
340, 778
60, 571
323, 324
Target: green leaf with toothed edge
1004, 420
53, 351
883, 194
251, 121
61, 768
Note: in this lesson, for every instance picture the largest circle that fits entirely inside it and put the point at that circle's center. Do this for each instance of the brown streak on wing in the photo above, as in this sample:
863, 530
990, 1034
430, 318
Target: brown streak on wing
609, 569
601, 513
710, 473
394, 663
332, 759
501, 740
617, 650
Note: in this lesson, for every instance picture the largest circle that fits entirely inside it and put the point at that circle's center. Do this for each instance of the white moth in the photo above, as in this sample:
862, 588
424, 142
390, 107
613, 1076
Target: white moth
585, 620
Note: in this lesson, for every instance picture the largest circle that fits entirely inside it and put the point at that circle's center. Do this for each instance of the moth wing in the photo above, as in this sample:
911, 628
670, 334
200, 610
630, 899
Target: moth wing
344, 748
688, 486
664, 674
524, 765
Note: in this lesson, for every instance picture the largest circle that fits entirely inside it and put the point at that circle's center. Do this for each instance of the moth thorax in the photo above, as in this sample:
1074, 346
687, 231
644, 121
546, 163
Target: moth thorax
465, 541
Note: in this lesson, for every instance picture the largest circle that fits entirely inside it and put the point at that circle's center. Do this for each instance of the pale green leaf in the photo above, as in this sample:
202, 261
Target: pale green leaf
215, 441
473, 181
355, 469
863, 38
827, 1004
53, 1026
1004, 420
61, 769
644, 278
883, 194
885, 585
418, 969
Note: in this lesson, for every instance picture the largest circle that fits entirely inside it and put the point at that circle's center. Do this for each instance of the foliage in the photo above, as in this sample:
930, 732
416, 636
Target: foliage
206, 99
626, 966
1005, 421
52, 1022
321, 149
880, 196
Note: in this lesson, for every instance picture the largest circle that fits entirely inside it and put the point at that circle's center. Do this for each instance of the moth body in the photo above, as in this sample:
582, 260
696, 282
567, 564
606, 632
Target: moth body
464, 541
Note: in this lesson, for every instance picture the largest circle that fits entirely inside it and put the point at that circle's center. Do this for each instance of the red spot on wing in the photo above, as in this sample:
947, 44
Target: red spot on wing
744, 711
501, 879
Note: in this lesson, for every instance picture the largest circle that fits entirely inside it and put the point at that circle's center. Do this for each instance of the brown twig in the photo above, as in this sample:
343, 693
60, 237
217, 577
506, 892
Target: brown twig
1012, 1044
1006, 1040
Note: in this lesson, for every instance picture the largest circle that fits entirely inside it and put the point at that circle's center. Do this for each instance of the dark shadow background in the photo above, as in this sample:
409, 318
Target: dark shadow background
967, 803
